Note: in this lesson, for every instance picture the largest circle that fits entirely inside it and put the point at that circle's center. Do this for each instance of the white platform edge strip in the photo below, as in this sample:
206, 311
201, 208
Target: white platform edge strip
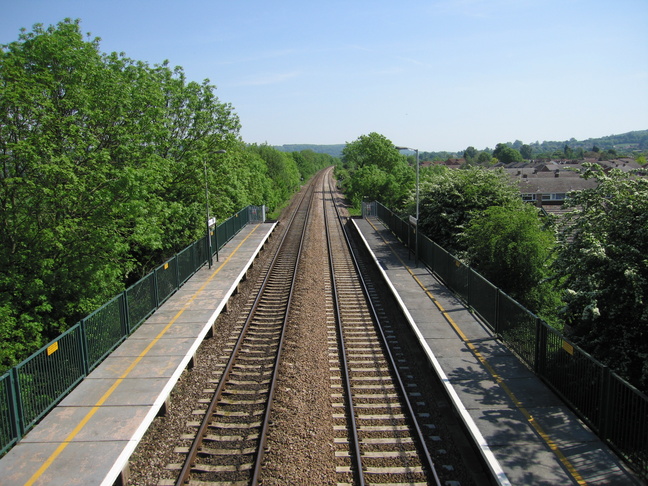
125, 455
487, 454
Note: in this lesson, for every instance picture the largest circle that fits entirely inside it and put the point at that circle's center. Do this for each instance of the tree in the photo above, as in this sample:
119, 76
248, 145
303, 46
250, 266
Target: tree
484, 158
450, 198
526, 151
377, 171
602, 269
309, 162
282, 169
512, 247
506, 154
372, 149
101, 175
470, 154
74, 169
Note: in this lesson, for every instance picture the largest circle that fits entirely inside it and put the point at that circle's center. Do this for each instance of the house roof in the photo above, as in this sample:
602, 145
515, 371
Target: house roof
553, 185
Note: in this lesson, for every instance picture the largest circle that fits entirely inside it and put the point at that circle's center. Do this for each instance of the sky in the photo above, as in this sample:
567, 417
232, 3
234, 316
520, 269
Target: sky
435, 75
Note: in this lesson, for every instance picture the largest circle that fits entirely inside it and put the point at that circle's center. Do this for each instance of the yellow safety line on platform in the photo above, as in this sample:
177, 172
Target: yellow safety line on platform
500, 381
124, 375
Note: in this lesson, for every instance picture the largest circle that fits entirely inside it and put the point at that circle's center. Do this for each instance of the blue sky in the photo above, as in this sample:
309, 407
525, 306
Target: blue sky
433, 74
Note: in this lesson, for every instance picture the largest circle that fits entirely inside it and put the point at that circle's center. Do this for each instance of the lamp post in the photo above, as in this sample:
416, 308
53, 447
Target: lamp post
209, 242
417, 202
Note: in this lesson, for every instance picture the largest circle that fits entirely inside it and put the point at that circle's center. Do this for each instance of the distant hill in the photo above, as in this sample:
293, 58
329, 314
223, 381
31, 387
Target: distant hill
334, 150
623, 143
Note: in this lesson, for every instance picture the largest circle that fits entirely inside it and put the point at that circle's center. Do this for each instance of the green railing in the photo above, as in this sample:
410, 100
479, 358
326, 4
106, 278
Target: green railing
32, 388
615, 410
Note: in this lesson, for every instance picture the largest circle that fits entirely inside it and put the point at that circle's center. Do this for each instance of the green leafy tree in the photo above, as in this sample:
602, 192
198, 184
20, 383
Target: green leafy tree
372, 149
484, 158
70, 179
506, 154
450, 198
526, 151
602, 267
101, 173
470, 154
309, 162
511, 246
377, 171
282, 170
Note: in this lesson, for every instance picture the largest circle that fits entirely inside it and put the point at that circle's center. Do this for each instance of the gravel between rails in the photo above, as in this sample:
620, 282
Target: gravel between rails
300, 443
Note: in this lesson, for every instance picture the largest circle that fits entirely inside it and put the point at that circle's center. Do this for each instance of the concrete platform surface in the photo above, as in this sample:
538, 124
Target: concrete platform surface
534, 438
89, 437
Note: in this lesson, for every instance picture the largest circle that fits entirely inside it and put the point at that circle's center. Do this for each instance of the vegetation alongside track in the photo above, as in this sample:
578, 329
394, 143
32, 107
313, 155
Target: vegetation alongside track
586, 274
104, 161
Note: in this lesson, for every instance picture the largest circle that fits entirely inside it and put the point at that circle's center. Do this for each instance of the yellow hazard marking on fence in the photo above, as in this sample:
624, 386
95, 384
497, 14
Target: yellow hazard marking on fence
52, 348
500, 381
125, 374
568, 347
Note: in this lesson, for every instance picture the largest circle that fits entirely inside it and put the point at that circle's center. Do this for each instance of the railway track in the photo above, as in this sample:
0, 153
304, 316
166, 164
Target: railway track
379, 438
229, 441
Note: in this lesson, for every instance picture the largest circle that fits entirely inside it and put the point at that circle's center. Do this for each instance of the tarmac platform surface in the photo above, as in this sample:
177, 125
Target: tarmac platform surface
517, 420
89, 437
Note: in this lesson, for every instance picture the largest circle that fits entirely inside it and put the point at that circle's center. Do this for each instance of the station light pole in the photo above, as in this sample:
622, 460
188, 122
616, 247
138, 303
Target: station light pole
417, 201
209, 242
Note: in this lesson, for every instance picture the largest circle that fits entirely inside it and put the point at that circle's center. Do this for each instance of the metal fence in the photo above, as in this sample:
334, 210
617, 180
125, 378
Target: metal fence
615, 410
32, 388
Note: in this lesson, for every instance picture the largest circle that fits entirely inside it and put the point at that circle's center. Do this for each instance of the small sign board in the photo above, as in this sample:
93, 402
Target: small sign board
568, 347
52, 348
212, 222
413, 220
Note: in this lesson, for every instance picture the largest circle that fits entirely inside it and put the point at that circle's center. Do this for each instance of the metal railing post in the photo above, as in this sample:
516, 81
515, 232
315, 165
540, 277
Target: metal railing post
85, 354
19, 416
540, 352
497, 324
604, 402
127, 323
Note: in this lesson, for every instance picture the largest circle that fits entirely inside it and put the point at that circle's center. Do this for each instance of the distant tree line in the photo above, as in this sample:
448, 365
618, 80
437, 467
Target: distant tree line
631, 144
586, 273
102, 176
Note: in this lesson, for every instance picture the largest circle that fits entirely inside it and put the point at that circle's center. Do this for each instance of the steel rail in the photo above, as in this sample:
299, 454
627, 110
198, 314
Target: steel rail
185, 472
275, 372
429, 463
345, 366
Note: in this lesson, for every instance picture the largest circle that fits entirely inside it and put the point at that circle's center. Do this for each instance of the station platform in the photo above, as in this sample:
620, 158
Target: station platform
89, 437
528, 435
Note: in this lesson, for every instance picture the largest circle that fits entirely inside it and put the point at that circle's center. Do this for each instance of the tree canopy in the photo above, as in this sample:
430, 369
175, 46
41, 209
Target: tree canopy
375, 169
103, 162
512, 247
450, 198
602, 268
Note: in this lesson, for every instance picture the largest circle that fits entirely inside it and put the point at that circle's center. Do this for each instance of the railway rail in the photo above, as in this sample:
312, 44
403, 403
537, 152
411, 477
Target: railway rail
380, 438
229, 441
